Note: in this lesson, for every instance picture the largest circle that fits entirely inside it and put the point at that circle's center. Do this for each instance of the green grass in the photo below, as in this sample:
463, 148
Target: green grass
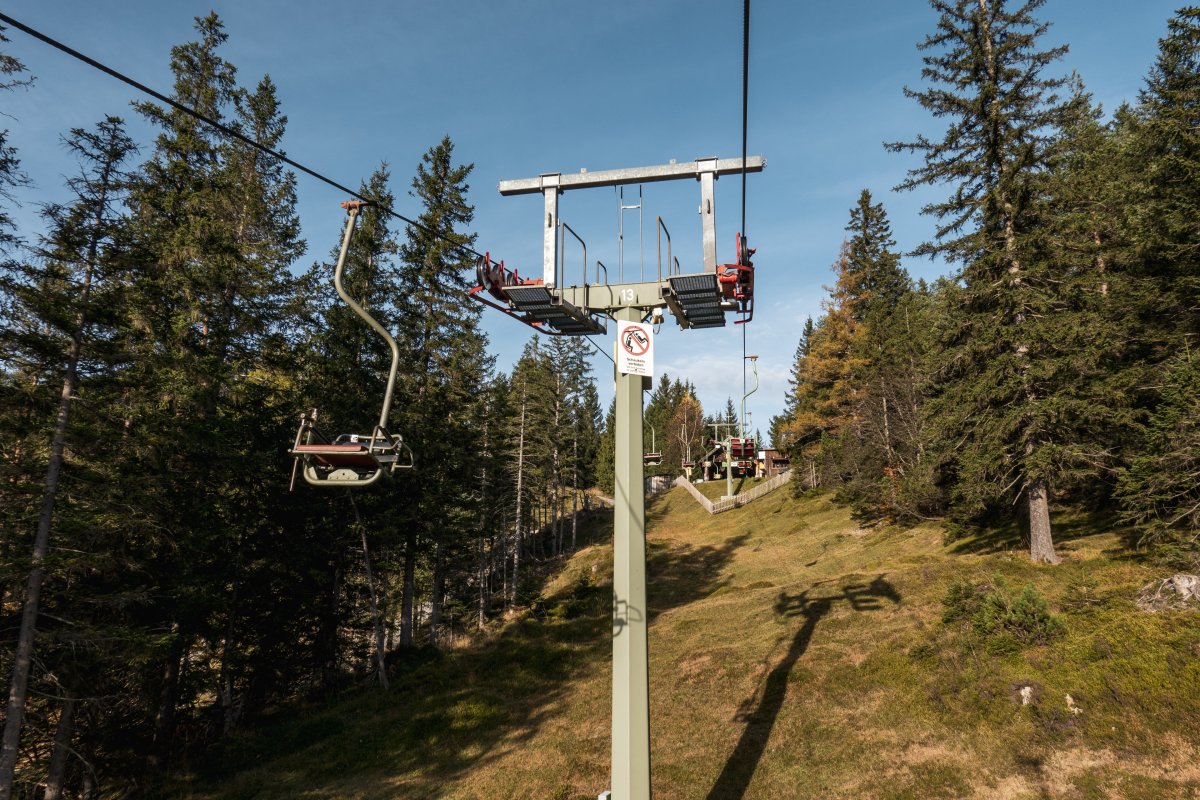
793, 655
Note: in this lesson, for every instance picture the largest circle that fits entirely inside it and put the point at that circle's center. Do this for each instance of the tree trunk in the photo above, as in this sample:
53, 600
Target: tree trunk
168, 699
482, 582
887, 428
231, 710
435, 602
376, 618
1041, 541
516, 570
325, 644
408, 590
574, 491
23, 659
57, 771
1101, 264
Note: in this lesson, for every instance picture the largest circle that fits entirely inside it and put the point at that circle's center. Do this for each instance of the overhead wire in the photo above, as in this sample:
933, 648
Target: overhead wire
228, 131
598, 349
239, 136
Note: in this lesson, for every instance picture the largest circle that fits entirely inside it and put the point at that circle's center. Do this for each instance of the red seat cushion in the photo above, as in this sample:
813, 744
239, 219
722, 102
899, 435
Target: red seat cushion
338, 455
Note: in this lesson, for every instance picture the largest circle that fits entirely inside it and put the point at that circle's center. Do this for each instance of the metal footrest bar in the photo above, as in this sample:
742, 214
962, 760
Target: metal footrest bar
538, 303
695, 300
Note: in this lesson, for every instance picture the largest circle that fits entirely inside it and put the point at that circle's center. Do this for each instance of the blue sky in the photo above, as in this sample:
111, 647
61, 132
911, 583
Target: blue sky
534, 86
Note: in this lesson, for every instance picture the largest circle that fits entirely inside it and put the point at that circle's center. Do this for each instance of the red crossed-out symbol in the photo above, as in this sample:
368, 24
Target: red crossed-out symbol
635, 340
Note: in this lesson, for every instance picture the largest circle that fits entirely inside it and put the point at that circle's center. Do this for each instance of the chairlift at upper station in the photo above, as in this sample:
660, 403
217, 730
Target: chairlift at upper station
575, 300
352, 460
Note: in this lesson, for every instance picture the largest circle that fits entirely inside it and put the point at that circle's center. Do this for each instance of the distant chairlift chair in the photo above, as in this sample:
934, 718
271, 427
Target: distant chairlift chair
352, 460
653, 458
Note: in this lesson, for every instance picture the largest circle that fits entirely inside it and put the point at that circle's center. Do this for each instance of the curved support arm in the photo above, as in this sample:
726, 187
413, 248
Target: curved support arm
353, 209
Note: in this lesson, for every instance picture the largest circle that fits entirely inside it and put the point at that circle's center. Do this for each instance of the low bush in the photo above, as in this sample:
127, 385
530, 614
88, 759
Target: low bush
1004, 619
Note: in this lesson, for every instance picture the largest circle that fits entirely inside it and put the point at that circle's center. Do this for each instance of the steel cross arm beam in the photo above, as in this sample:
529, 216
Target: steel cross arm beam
620, 177
612, 297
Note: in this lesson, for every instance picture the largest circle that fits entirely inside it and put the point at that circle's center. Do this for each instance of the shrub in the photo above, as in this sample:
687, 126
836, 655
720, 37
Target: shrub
1006, 622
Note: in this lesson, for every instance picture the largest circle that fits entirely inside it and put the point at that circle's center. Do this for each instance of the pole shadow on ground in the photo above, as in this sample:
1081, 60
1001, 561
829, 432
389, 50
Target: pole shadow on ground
735, 777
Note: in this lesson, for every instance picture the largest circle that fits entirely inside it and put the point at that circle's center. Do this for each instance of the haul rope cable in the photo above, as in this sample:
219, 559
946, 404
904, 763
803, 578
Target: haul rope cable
225, 129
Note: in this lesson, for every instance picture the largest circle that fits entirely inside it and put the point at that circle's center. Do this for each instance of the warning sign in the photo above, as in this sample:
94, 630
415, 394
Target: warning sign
635, 349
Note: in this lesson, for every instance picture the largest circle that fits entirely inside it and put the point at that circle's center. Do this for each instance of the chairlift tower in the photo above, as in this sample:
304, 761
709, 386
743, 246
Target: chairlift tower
698, 299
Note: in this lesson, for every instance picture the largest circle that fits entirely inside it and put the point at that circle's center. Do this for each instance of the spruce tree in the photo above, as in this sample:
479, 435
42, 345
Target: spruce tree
1163, 229
606, 454
446, 369
60, 308
874, 280
1159, 490
215, 231
1158, 251
997, 385
11, 177
781, 435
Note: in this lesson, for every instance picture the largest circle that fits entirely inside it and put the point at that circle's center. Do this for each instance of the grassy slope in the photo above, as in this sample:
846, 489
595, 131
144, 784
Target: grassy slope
792, 656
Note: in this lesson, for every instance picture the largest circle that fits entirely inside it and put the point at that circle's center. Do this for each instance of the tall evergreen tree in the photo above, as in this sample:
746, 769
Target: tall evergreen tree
58, 306
874, 279
1159, 245
216, 232
780, 437
985, 65
1166, 204
445, 374
12, 75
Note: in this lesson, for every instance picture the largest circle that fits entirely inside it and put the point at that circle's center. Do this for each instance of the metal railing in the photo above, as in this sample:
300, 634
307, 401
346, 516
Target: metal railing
673, 267
563, 230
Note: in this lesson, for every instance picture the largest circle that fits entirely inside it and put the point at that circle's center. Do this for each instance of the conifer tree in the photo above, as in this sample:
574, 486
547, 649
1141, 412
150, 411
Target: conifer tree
1159, 245
215, 230
54, 342
1165, 209
985, 66
781, 437
11, 177
874, 280
446, 371
606, 454
1159, 490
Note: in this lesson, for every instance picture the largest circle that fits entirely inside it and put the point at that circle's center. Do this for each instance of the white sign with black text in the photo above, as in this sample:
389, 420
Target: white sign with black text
635, 349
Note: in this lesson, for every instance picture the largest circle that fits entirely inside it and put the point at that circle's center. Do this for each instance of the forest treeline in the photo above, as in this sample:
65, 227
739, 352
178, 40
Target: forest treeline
159, 585
1057, 366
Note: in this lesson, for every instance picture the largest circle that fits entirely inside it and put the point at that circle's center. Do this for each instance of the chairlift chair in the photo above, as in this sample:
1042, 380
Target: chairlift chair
352, 460
653, 458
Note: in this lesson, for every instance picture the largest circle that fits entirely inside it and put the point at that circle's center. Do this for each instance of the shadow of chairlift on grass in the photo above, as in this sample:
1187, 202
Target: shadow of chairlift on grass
739, 768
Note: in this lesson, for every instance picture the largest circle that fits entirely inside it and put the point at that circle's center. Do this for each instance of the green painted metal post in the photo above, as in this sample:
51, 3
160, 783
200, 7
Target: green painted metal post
631, 669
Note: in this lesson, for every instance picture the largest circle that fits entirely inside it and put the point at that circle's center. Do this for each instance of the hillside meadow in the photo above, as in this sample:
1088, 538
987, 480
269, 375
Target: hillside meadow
793, 655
